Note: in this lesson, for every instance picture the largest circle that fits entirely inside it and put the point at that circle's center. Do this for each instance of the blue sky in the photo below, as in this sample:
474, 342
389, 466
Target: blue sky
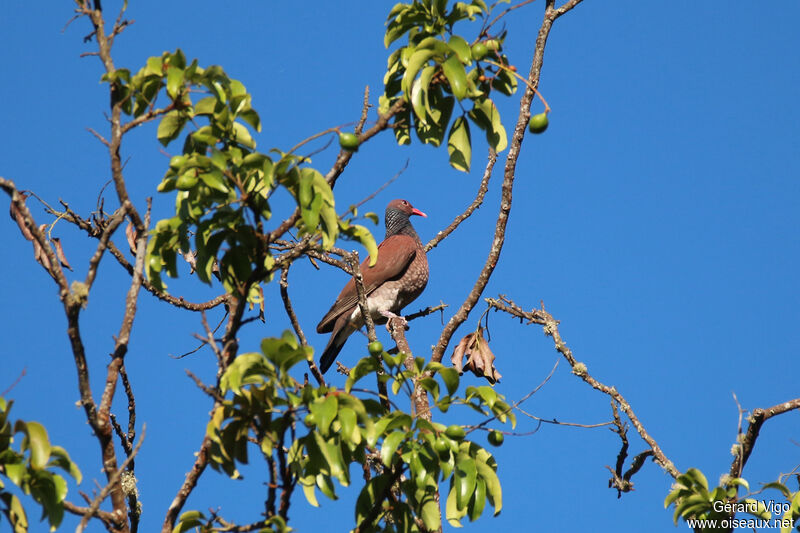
657, 218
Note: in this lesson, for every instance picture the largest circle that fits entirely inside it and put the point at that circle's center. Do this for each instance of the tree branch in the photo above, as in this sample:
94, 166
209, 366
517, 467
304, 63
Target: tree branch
550, 326
508, 182
755, 421
487, 174
287, 305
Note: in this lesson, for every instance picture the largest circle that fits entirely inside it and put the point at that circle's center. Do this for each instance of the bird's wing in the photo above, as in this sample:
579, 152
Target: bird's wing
394, 256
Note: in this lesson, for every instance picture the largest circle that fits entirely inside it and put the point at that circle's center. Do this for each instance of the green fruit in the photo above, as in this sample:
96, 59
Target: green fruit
495, 438
177, 161
479, 51
310, 420
538, 123
167, 185
375, 348
154, 263
186, 181
455, 432
348, 141
441, 447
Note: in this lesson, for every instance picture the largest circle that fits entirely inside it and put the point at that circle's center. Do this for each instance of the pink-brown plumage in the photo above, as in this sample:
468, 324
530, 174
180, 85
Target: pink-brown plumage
398, 277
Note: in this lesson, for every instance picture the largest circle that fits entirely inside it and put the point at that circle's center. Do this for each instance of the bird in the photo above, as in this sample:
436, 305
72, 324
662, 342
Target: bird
397, 278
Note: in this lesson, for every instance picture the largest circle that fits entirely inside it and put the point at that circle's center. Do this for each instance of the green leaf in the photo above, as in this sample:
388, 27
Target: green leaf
365, 366
188, 520
215, 180
761, 508
367, 240
779, 486
493, 489
465, 475
324, 409
242, 135
170, 127
174, 81
15, 472
450, 378
461, 49
15, 512
739, 481
401, 127
452, 512
456, 75
419, 93
390, 444
505, 82
251, 117
486, 116
350, 430
672, 496
698, 477
59, 457
689, 505
459, 145
478, 501
206, 106
418, 58
154, 66
430, 514
430, 385
309, 490
325, 484
36, 440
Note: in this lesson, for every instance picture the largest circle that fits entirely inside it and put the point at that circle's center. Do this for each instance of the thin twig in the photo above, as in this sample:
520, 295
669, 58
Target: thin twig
551, 14
755, 421
485, 29
111, 484
382, 187
476, 203
550, 326
287, 305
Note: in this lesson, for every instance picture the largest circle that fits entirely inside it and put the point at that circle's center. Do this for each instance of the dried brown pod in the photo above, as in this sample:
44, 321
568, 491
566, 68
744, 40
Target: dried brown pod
480, 359
17, 216
39, 253
60, 253
131, 234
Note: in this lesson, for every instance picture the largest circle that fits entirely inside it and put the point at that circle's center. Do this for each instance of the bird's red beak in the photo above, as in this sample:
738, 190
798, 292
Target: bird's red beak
415, 211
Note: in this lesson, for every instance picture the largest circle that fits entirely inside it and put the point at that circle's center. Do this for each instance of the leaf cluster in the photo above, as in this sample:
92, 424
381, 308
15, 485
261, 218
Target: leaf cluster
223, 184
693, 499
437, 69
31, 469
319, 432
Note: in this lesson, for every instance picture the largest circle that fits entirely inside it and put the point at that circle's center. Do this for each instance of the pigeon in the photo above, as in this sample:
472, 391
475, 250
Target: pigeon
398, 277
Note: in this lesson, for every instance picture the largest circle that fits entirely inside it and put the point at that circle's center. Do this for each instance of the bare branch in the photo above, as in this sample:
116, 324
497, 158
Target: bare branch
382, 187
550, 326
28, 227
508, 182
487, 174
485, 29
108, 519
287, 305
425, 312
755, 421
112, 483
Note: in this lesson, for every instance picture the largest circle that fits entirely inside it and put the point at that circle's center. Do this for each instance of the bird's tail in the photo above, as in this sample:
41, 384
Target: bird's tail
335, 345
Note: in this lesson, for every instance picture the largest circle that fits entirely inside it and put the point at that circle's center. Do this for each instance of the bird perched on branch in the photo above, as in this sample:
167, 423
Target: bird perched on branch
397, 278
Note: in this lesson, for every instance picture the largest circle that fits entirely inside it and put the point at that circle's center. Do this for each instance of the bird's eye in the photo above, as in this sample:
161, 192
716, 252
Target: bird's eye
405, 203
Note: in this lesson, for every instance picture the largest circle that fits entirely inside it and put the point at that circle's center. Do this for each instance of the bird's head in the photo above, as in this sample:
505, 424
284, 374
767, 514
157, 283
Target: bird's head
397, 215
403, 206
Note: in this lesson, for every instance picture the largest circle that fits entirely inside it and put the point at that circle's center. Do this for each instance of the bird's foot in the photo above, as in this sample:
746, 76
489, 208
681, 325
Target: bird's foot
391, 316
